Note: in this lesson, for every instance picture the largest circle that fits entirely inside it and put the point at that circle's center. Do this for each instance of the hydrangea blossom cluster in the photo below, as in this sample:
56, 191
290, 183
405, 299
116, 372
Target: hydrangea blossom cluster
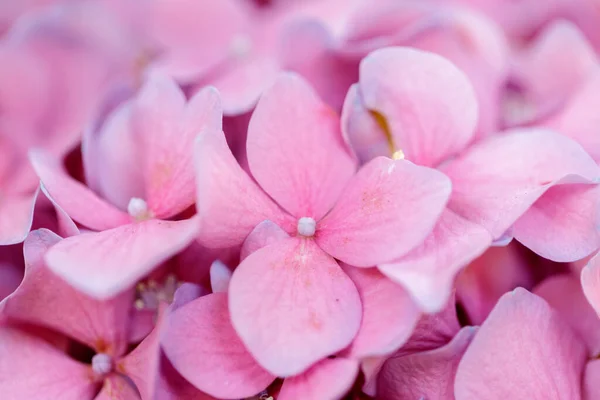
299, 199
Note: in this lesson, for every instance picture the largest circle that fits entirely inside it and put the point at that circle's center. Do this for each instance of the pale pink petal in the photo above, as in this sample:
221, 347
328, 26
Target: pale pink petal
229, 203
591, 376
66, 227
565, 295
386, 210
292, 305
203, 346
78, 201
425, 375
220, 275
45, 299
117, 387
143, 363
428, 104
30, 368
563, 224
172, 386
103, 264
16, 216
264, 234
370, 367
524, 350
295, 149
329, 379
166, 128
498, 179
590, 282
389, 314
428, 272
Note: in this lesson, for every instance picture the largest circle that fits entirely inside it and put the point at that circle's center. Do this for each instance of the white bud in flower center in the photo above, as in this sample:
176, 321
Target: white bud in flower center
102, 364
138, 209
307, 226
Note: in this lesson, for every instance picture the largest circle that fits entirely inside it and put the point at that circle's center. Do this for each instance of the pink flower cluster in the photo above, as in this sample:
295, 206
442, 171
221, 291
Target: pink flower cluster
299, 199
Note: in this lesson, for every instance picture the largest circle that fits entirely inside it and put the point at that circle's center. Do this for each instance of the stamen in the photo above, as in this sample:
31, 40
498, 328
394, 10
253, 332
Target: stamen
241, 46
397, 153
152, 293
138, 209
102, 364
307, 226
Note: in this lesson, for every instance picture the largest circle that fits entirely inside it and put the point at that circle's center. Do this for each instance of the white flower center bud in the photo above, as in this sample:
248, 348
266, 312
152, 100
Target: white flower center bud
138, 209
102, 364
307, 226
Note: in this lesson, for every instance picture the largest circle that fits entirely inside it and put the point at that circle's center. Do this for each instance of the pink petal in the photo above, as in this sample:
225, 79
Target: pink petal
498, 179
389, 314
590, 282
295, 149
143, 363
103, 264
220, 275
166, 128
66, 227
16, 216
591, 376
45, 299
228, 203
30, 368
329, 379
387, 209
428, 272
226, 369
117, 388
563, 224
78, 201
315, 304
429, 374
565, 295
428, 104
172, 386
264, 234
523, 350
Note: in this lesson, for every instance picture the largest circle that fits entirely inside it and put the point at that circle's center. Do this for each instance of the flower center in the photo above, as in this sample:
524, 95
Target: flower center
151, 293
138, 209
102, 364
307, 226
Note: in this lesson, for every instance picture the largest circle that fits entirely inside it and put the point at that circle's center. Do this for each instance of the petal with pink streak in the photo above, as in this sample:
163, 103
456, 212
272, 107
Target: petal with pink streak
523, 350
329, 379
143, 363
425, 375
16, 216
500, 178
220, 275
229, 203
565, 295
264, 234
227, 369
315, 305
386, 210
117, 388
389, 314
45, 299
31, 368
428, 272
563, 225
166, 129
295, 149
103, 264
78, 201
428, 104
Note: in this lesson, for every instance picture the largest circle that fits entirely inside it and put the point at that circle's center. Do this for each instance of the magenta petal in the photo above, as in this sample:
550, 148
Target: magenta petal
229, 203
563, 224
498, 179
428, 104
264, 234
429, 374
45, 299
30, 368
315, 304
202, 329
295, 149
389, 314
524, 350
386, 210
79, 202
102, 264
16, 216
166, 128
428, 272
329, 379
